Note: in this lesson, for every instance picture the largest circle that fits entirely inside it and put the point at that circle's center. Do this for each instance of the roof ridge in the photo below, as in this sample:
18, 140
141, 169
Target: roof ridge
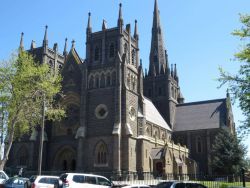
202, 102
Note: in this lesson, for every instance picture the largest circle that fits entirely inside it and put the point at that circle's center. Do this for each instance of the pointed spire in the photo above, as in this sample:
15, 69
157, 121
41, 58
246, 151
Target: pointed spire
33, 45
120, 19
21, 47
45, 39
136, 36
73, 44
157, 55
104, 25
175, 73
65, 47
55, 47
89, 28
172, 72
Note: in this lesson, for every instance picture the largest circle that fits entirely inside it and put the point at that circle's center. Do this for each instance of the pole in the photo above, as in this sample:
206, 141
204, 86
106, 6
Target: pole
243, 177
40, 157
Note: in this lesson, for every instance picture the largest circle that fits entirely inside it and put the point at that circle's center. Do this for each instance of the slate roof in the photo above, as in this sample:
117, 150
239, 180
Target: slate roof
200, 115
153, 115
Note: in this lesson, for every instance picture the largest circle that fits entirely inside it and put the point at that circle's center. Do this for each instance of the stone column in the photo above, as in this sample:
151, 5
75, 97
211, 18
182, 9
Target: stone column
208, 152
80, 135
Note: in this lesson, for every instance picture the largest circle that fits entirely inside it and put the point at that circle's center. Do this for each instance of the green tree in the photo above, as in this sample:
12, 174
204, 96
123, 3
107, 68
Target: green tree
227, 153
239, 84
24, 86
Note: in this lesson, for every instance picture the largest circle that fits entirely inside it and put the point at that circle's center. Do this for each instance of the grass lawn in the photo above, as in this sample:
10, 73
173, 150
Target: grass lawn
216, 184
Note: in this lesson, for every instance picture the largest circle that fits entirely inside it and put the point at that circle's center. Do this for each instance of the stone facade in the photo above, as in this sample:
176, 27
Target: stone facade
118, 118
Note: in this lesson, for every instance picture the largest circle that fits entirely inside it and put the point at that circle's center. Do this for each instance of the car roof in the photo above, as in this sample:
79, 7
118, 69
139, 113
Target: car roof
93, 175
138, 185
46, 176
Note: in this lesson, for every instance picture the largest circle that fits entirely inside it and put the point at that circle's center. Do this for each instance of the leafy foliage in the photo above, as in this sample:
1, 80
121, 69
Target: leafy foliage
24, 86
227, 153
239, 84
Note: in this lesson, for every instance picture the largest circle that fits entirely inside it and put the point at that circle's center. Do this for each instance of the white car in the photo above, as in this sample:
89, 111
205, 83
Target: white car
44, 181
74, 180
3, 176
136, 186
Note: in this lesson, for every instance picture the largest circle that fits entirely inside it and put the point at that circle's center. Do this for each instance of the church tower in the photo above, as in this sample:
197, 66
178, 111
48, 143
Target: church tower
161, 84
112, 84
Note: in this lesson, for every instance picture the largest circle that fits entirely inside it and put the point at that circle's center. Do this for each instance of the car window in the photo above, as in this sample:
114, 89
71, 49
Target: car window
90, 180
180, 185
47, 180
78, 179
164, 185
32, 179
63, 177
103, 181
52, 180
2, 175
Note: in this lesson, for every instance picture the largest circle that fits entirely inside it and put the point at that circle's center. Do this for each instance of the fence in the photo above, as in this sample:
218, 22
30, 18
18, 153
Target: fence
149, 178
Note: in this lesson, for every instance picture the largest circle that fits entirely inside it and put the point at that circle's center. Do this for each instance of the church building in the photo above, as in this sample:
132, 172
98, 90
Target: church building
120, 118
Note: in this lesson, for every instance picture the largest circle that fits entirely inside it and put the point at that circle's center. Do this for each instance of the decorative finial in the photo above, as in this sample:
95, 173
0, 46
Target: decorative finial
120, 20
21, 47
45, 40
136, 36
65, 47
89, 28
104, 25
73, 44
33, 45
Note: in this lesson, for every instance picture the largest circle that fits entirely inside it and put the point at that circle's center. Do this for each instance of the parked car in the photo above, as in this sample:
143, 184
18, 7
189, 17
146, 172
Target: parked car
15, 182
44, 181
3, 176
74, 180
179, 184
136, 186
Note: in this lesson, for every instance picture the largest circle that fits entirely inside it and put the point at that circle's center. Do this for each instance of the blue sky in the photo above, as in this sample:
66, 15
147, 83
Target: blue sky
197, 33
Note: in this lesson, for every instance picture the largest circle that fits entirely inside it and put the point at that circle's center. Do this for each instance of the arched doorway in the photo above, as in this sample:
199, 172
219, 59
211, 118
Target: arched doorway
65, 159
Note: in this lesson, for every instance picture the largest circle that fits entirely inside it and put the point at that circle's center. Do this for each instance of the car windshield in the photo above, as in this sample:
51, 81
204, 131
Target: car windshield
164, 185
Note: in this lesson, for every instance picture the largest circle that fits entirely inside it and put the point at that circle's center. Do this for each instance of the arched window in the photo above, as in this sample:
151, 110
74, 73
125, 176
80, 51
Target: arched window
91, 82
101, 154
128, 81
97, 53
96, 81
133, 57
113, 78
102, 81
111, 50
125, 48
172, 91
198, 144
108, 81
50, 64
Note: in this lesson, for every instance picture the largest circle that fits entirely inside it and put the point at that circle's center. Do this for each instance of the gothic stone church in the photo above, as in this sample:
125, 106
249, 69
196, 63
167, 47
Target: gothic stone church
120, 118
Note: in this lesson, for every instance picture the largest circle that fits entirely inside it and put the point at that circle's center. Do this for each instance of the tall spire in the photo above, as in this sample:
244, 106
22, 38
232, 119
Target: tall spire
45, 39
136, 36
120, 19
21, 47
65, 47
157, 51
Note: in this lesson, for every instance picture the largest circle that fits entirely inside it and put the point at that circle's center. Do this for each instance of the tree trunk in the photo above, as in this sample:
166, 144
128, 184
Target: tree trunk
8, 146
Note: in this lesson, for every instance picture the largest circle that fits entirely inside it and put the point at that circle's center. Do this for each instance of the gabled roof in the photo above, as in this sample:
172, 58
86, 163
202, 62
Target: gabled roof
200, 115
152, 115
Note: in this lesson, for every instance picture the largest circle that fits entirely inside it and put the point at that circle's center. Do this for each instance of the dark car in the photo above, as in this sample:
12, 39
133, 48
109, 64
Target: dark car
15, 182
179, 184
